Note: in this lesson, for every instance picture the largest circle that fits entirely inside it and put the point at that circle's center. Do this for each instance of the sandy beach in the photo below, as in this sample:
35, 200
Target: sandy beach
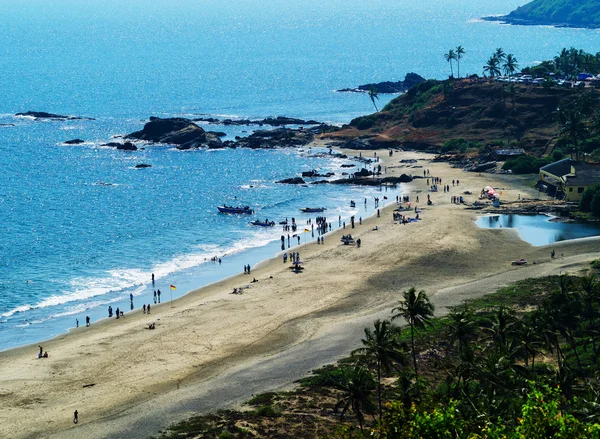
213, 349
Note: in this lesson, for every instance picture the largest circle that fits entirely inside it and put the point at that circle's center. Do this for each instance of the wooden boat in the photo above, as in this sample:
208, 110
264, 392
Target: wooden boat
312, 209
262, 223
235, 209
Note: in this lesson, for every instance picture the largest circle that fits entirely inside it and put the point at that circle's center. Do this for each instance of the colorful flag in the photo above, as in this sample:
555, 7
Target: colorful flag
173, 287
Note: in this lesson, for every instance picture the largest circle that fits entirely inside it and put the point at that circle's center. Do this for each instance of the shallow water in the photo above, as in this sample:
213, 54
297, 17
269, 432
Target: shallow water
539, 230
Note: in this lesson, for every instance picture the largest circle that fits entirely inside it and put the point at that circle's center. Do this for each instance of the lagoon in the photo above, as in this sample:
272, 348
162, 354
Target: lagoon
539, 230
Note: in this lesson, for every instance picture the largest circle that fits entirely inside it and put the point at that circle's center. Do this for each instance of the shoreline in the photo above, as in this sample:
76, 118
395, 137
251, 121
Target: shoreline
214, 349
191, 278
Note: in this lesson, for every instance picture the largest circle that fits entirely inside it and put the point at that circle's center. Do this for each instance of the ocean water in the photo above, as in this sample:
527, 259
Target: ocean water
82, 228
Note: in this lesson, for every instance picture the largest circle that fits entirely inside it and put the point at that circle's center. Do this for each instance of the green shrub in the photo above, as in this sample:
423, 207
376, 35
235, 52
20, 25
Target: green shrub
458, 145
590, 200
266, 411
595, 264
262, 399
525, 164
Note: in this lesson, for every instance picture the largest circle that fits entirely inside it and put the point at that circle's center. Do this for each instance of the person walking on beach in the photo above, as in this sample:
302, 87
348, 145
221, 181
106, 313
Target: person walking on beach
77, 323
118, 312
131, 297
144, 308
75, 417
41, 352
148, 309
158, 293
87, 321
154, 296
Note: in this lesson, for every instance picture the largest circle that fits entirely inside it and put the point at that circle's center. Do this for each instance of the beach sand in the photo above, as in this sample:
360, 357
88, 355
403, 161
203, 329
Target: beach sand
213, 349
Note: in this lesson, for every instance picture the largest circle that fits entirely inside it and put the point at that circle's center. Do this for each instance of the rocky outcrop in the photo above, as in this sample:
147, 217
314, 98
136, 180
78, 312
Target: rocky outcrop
37, 115
127, 146
266, 139
294, 180
275, 122
74, 142
142, 166
314, 173
178, 131
360, 181
410, 80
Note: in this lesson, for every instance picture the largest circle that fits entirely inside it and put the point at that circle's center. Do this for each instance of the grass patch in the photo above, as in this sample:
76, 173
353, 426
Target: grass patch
267, 411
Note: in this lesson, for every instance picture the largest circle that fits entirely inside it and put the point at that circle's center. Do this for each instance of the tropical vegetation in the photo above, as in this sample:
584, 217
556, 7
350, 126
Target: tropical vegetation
521, 363
578, 13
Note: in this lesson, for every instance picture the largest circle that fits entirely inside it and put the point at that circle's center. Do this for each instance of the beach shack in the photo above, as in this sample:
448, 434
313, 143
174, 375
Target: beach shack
566, 179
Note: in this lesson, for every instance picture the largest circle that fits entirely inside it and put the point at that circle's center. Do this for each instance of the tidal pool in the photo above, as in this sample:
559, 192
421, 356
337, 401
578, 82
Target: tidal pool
538, 229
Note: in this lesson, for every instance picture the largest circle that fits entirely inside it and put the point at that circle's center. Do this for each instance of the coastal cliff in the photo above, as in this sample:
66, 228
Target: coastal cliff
561, 13
436, 112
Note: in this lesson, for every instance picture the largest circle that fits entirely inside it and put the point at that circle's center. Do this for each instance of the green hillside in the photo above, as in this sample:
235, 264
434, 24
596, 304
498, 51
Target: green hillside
585, 13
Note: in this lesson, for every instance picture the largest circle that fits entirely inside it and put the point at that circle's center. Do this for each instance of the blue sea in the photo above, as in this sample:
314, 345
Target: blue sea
83, 229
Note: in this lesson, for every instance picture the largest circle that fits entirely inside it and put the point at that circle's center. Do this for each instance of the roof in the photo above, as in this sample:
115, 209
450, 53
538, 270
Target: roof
585, 175
559, 168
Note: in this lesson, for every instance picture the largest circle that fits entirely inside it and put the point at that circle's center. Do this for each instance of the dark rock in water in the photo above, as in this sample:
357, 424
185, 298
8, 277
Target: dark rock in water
364, 172
371, 181
218, 133
74, 142
345, 165
314, 173
280, 137
112, 144
143, 165
410, 80
275, 122
7, 124
294, 180
127, 146
43, 115
178, 131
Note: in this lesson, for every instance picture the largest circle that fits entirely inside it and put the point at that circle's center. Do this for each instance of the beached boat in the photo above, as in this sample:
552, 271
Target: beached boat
312, 209
235, 209
262, 223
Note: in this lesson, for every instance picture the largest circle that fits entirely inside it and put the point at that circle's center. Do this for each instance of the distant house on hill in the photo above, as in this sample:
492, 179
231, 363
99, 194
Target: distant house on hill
567, 179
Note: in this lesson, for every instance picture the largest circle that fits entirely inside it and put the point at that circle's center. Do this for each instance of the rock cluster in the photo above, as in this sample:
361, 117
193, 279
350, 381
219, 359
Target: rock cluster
178, 131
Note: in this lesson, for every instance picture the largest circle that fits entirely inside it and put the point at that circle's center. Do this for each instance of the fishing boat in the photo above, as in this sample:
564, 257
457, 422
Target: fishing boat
265, 223
312, 209
235, 209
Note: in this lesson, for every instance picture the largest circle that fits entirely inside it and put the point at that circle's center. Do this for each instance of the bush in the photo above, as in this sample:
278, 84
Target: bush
595, 264
262, 399
590, 200
525, 164
266, 411
458, 145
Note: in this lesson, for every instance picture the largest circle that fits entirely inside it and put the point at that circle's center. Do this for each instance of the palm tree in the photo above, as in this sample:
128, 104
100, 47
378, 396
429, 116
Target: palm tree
491, 66
449, 57
502, 330
529, 340
356, 384
460, 51
462, 328
499, 54
374, 94
382, 347
417, 310
573, 126
510, 64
